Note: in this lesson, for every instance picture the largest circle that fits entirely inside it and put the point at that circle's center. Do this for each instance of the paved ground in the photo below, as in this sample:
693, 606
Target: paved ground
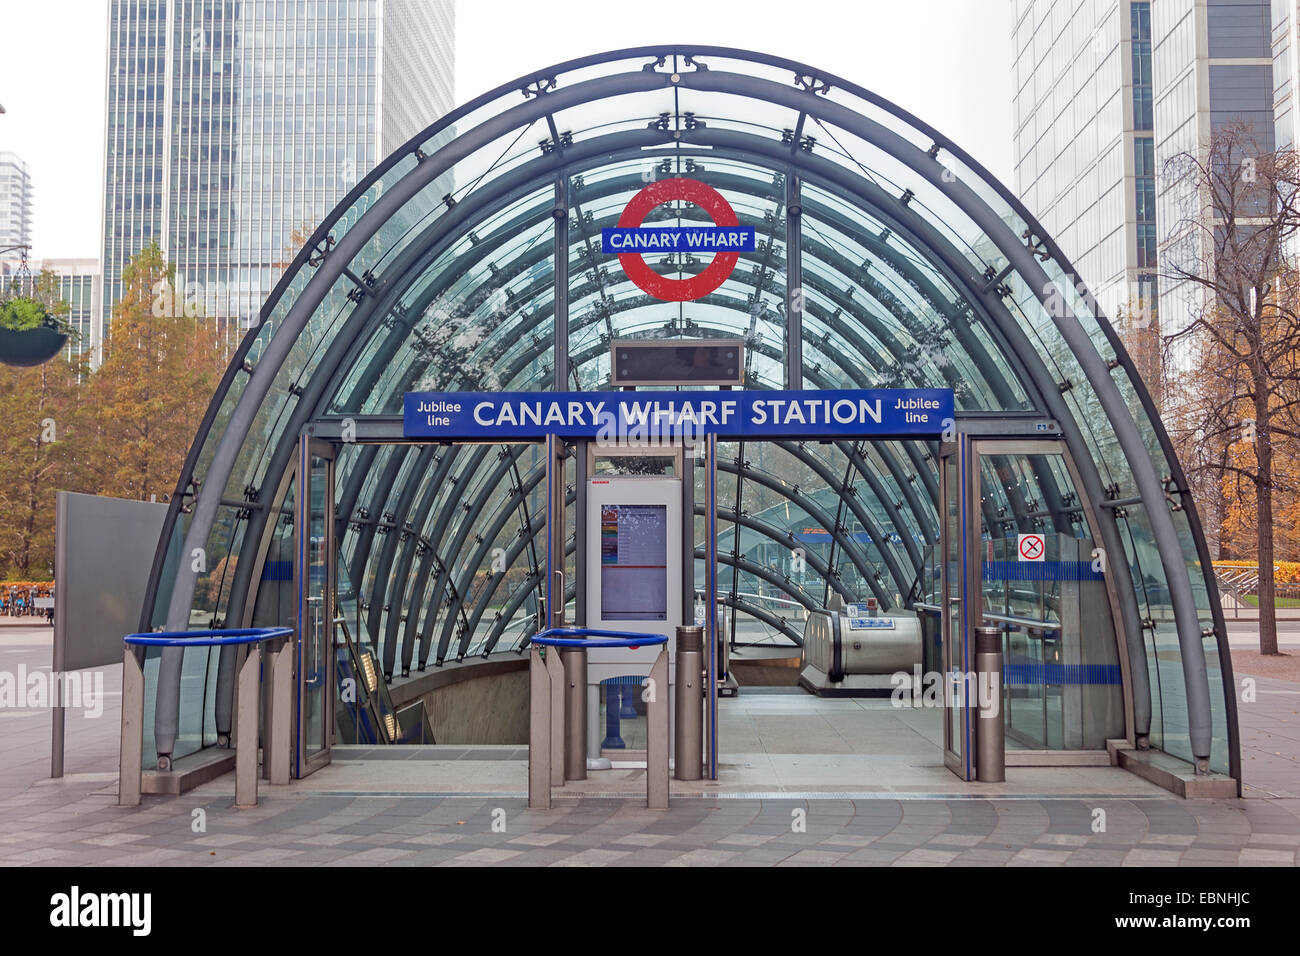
75, 821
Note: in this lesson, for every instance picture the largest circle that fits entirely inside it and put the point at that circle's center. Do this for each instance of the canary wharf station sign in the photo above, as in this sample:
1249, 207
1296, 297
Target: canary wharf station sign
632, 416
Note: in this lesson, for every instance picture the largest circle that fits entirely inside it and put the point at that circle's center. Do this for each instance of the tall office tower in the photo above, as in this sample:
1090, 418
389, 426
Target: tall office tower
1286, 71
15, 206
1108, 92
1286, 82
234, 127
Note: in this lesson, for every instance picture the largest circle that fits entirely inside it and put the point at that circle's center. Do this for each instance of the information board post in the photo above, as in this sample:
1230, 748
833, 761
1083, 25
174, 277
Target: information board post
711, 599
555, 500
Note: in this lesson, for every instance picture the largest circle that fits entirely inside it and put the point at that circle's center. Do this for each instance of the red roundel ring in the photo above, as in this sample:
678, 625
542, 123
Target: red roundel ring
708, 199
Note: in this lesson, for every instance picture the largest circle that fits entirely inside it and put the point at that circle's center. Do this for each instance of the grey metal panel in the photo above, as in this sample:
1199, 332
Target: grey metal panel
1238, 28
100, 582
1235, 87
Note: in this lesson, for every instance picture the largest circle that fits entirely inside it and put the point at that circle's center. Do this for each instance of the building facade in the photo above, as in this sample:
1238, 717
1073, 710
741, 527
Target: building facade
80, 287
233, 127
15, 206
1109, 93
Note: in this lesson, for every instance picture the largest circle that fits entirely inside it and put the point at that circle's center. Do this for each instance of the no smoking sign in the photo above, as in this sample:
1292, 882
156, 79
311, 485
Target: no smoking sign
1031, 547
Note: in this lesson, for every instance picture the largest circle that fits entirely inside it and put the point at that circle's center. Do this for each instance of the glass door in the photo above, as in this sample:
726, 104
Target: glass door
956, 490
314, 586
1061, 688
1017, 544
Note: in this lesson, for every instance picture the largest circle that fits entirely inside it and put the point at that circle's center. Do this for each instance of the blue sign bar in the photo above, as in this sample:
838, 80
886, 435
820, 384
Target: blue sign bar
702, 239
660, 415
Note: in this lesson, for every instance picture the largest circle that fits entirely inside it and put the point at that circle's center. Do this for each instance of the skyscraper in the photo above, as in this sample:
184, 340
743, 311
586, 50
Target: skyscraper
15, 206
234, 127
1108, 92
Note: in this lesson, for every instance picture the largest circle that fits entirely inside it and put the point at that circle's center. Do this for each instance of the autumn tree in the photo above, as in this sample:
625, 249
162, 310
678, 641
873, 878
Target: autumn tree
159, 371
1138, 325
40, 445
1241, 345
39, 455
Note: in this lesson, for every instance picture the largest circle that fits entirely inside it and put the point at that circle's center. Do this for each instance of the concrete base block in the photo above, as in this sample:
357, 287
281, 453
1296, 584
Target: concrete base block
1174, 775
188, 772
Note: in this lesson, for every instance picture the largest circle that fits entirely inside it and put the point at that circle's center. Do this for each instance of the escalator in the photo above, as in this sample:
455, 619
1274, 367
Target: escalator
365, 713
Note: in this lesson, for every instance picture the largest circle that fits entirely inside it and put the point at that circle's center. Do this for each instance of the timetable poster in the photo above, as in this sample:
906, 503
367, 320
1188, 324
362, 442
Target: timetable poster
634, 562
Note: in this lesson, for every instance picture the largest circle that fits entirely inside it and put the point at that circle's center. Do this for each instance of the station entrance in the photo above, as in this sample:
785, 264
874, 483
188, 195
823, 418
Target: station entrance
643, 534
685, 198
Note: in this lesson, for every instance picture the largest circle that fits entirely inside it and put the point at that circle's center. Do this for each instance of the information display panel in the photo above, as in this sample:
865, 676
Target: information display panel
634, 566
634, 562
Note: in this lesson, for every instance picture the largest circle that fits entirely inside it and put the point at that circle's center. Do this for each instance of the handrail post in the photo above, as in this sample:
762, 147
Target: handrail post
279, 723
246, 709
574, 660
656, 763
555, 691
131, 754
539, 732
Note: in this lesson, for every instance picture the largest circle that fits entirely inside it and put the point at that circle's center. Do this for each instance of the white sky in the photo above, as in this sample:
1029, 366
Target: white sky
946, 61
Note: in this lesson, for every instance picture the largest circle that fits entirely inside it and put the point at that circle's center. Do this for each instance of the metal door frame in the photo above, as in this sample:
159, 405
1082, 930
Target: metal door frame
968, 451
960, 762
308, 447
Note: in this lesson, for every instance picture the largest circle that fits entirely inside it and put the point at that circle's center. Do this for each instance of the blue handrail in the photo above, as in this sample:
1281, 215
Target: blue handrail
213, 638
583, 637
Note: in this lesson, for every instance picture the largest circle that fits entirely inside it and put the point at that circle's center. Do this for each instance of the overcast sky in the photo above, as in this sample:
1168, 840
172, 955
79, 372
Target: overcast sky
947, 61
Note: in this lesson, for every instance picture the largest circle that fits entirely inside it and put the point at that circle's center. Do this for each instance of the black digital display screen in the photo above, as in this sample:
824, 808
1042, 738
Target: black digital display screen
678, 363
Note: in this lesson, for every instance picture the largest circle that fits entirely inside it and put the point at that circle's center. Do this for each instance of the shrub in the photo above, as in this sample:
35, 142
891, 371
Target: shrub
22, 315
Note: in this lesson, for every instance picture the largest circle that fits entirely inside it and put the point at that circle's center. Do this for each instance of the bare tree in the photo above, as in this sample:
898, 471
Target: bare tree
1238, 352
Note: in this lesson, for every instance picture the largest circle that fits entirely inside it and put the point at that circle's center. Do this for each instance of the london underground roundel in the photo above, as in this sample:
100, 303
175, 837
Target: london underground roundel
725, 239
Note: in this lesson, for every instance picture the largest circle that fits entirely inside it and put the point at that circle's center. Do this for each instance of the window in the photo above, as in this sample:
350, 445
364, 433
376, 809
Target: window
1140, 27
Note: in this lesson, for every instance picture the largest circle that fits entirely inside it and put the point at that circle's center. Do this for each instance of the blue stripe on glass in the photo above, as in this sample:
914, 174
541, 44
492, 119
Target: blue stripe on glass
1040, 571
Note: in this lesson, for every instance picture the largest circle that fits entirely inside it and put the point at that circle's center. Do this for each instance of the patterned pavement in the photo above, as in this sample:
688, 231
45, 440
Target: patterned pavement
74, 820
324, 830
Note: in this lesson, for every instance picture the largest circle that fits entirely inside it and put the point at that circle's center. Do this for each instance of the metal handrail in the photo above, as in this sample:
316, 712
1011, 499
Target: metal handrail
583, 637
1026, 622
207, 638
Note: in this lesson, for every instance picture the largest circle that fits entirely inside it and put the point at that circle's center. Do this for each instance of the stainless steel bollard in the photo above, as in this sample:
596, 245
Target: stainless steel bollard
574, 660
688, 733
990, 731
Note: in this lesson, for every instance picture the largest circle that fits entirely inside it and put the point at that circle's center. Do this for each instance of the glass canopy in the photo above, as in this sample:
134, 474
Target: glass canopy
885, 257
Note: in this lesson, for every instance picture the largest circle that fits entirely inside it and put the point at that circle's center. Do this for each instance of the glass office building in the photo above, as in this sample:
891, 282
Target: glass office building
1106, 95
884, 257
232, 128
15, 206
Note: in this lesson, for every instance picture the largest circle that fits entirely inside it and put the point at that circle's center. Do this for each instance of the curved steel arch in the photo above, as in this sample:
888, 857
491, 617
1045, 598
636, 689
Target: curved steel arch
363, 262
